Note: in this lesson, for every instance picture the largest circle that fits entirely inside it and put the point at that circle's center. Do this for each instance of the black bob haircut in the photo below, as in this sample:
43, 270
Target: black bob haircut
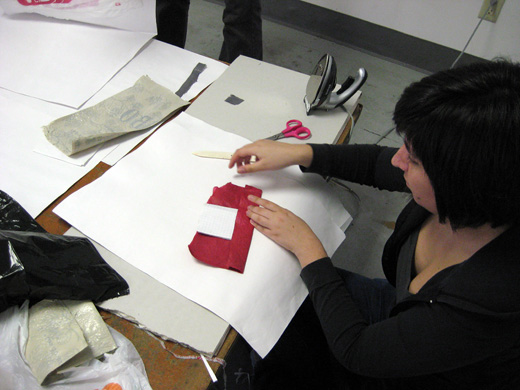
463, 124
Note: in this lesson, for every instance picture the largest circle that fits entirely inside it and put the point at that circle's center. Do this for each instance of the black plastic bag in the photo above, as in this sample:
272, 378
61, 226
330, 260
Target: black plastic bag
14, 217
36, 265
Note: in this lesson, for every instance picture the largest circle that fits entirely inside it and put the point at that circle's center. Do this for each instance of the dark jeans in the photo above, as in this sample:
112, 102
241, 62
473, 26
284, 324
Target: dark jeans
302, 359
172, 21
242, 26
242, 30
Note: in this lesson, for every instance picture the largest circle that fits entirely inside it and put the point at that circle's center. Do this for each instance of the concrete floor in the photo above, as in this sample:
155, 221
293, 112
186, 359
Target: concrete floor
373, 210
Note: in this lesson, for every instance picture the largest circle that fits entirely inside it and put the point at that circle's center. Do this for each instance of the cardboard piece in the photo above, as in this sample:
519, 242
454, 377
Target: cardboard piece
255, 100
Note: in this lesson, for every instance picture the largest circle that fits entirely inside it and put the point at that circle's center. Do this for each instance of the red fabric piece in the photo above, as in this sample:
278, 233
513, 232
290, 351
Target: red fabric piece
219, 252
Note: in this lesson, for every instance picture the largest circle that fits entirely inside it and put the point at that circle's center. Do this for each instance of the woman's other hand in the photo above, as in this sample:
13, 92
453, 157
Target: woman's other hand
286, 229
266, 155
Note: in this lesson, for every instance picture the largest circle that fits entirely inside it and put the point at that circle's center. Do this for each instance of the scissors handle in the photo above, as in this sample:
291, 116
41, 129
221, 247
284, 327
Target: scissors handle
293, 124
300, 133
295, 129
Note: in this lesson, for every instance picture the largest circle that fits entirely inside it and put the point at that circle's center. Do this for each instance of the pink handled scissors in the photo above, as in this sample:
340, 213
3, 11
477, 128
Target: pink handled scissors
294, 129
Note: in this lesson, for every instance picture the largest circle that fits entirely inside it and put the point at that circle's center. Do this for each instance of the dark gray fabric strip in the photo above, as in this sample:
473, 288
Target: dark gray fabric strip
192, 79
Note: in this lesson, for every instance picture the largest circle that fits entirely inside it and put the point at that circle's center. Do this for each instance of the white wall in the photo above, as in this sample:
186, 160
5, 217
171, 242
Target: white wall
445, 22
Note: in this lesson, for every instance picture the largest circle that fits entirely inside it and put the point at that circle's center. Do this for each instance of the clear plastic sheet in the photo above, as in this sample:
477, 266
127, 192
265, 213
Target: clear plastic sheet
36, 265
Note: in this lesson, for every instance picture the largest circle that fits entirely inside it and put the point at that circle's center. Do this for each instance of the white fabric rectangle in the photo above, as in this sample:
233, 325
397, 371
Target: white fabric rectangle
218, 221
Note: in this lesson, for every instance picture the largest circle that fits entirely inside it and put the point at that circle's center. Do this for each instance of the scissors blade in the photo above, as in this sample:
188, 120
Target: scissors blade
213, 154
276, 137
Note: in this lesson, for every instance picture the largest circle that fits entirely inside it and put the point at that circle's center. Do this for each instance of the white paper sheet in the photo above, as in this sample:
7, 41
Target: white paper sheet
144, 211
32, 179
61, 61
132, 15
35, 180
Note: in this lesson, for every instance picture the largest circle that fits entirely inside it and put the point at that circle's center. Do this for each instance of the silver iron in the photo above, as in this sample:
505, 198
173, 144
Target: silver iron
320, 95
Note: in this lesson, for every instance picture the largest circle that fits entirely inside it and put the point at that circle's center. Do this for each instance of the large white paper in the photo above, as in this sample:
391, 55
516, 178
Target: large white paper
61, 61
145, 211
34, 179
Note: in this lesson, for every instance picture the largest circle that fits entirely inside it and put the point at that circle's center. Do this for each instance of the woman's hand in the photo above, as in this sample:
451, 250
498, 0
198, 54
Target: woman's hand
270, 156
286, 229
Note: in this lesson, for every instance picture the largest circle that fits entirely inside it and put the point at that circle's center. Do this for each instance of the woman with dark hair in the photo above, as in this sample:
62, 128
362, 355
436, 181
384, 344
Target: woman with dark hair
448, 314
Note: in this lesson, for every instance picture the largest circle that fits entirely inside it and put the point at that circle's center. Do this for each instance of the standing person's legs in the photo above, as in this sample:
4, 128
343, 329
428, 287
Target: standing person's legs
242, 30
172, 21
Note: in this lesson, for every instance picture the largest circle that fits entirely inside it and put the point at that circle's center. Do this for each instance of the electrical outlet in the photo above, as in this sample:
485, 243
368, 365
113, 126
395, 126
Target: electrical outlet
493, 12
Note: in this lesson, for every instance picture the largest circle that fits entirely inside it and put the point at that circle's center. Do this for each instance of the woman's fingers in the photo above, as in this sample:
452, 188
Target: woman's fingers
261, 215
264, 203
264, 210
269, 155
275, 222
245, 157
